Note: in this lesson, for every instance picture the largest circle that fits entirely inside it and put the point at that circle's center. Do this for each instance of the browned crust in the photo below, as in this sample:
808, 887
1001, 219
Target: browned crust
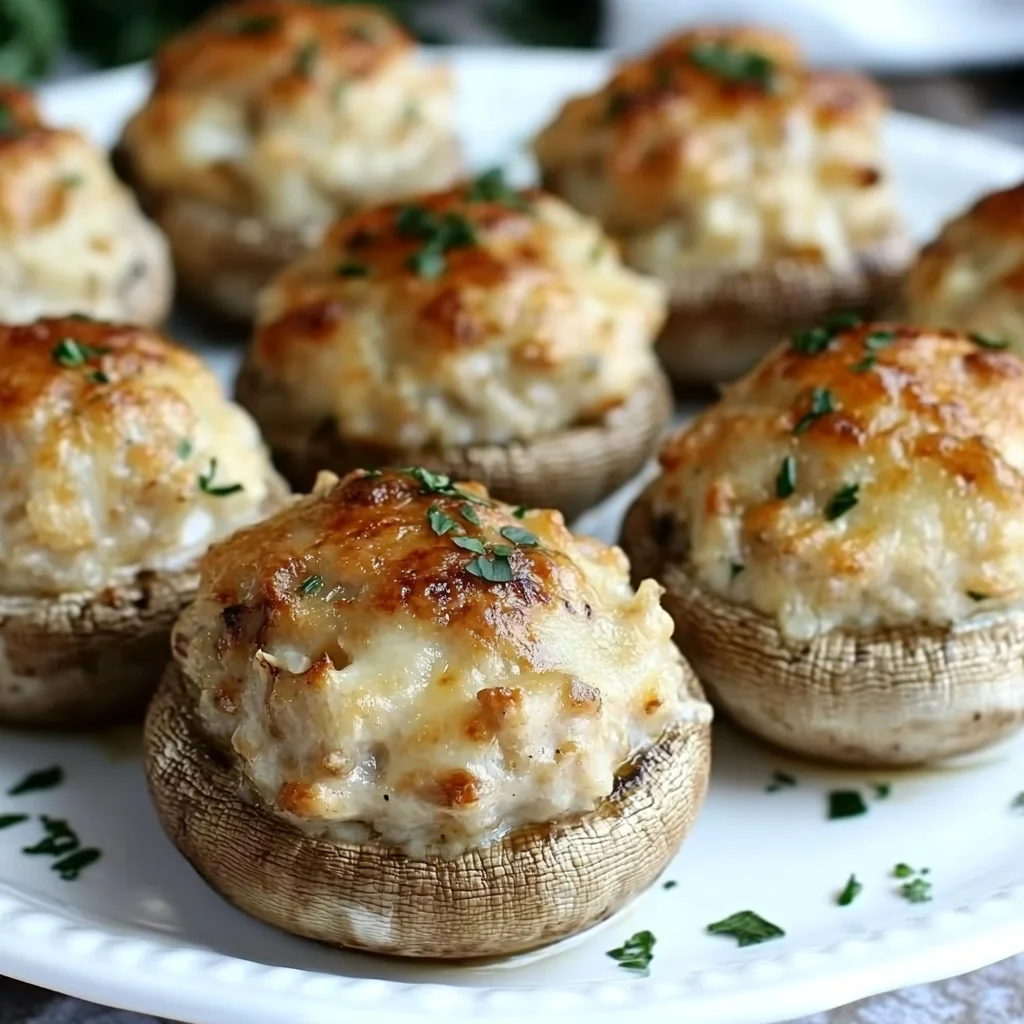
571, 470
720, 325
223, 259
891, 697
89, 660
534, 887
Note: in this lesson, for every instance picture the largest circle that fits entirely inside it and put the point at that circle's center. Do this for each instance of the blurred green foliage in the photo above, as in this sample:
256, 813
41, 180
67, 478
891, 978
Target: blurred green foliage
33, 33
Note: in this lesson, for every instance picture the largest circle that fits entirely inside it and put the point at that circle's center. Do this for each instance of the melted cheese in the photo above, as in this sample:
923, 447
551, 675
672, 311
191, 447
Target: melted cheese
533, 327
691, 169
971, 277
371, 685
932, 438
294, 112
101, 461
71, 236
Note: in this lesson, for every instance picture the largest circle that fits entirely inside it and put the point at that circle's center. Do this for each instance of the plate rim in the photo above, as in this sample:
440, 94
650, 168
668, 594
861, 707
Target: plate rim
151, 974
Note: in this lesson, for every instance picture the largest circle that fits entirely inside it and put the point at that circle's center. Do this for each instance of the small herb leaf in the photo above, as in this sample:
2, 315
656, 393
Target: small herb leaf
1017, 804
70, 867
470, 514
850, 892
742, 67
842, 501
985, 341
491, 187
780, 780
902, 871
822, 404
845, 803
785, 482
497, 570
747, 928
440, 522
882, 790
917, 890
207, 486
47, 778
8, 820
636, 953
471, 544
311, 584
519, 535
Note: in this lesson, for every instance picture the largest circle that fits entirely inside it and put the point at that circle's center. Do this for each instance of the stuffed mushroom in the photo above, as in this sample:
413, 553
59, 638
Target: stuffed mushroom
404, 719
485, 333
971, 276
270, 118
72, 239
121, 461
756, 189
841, 539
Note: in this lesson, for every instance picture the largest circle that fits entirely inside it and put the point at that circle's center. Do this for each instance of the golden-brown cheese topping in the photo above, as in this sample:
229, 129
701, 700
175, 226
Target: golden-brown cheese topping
971, 277
722, 146
860, 477
475, 315
401, 656
118, 452
293, 111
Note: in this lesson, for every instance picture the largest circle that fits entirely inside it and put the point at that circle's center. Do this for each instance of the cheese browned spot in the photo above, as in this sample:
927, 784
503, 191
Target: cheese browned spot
71, 236
294, 111
106, 434
908, 498
529, 323
695, 166
971, 276
463, 707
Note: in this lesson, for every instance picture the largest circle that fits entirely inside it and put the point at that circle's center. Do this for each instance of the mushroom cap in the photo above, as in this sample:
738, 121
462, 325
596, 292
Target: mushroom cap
885, 697
571, 470
722, 322
532, 887
72, 239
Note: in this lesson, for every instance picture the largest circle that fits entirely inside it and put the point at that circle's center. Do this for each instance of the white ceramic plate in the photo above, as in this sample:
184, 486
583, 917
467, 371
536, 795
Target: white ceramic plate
139, 930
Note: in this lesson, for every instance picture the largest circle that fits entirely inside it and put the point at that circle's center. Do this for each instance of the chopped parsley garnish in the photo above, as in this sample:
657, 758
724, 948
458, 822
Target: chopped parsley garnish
735, 569
60, 839
850, 892
520, 536
747, 928
440, 523
428, 263
636, 953
71, 354
440, 234
902, 871
352, 269
311, 584
46, 778
305, 60
845, 803
917, 890
207, 486
70, 867
822, 404
878, 340
496, 570
520, 511
988, 342
185, 448
865, 364
1017, 804
430, 482
491, 187
842, 501
501, 550
670, 884
473, 544
882, 790
785, 482
742, 67
253, 24
977, 595
780, 780
815, 340
97, 377
470, 514
8, 820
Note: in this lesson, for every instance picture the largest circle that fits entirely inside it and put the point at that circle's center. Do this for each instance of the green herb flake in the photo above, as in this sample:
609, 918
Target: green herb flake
440, 522
496, 570
473, 544
822, 403
520, 511
70, 867
877, 340
491, 187
739, 67
977, 595
305, 59
207, 486
46, 778
842, 501
60, 839
785, 482
350, 268
850, 892
97, 377
432, 483
429, 263
185, 448
865, 364
670, 884
636, 953
1017, 804
902, 871
520, 536
470, 514
311, 584
985, 341
502, 550
71, 354
845, 803
735, 569
917, 890
882, 790
252, 25
747, 928
9, 820
780, 780
811, 342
